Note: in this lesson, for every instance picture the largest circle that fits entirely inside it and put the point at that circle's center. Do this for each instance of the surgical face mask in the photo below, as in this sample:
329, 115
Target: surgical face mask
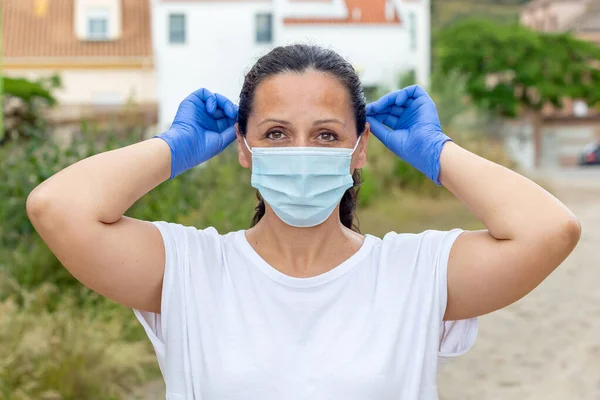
303, 185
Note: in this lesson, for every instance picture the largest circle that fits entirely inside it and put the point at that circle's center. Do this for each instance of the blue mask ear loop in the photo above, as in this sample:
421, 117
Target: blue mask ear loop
353, 150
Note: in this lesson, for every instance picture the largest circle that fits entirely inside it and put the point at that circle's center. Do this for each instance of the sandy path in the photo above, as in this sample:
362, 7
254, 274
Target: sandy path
547, 346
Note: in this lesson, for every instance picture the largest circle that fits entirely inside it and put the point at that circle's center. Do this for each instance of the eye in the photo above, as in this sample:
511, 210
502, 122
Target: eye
275, 135
328, 136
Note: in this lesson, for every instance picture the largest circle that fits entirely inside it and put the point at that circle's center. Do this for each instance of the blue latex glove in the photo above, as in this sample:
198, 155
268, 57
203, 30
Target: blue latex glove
414, 132
203, 127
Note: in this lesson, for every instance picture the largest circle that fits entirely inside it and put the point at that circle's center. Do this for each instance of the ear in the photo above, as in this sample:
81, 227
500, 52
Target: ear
359, 158
244, 156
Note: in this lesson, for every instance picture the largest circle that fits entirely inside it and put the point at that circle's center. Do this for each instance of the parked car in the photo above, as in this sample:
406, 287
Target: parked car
590, 154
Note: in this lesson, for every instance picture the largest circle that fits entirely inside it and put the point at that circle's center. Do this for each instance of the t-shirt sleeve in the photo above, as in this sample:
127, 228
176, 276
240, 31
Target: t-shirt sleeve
456, 337
151, 322
182, 244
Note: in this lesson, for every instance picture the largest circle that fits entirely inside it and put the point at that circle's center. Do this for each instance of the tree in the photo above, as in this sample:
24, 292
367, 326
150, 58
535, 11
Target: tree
512, 69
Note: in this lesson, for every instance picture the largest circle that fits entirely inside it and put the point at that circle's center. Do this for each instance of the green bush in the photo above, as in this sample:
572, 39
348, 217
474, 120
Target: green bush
28, 90
216, 194
67, 353
370, 188
23, 105
26, 166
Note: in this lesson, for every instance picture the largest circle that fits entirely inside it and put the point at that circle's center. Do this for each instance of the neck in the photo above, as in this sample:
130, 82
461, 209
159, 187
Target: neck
303, 252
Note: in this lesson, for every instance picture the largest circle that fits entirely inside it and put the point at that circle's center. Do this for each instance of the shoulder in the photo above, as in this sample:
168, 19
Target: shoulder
177, 231
180, 239
423, 252
427, 242
190, 247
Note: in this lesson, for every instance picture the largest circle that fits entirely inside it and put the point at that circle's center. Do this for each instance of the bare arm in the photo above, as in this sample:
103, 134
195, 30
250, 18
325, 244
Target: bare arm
79, 214
529, 233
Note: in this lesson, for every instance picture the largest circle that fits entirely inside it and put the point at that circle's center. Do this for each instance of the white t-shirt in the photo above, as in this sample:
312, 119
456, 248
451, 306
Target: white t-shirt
234, 328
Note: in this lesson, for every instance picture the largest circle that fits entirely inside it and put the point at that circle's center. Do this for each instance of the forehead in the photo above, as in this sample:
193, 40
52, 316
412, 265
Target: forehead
311, 92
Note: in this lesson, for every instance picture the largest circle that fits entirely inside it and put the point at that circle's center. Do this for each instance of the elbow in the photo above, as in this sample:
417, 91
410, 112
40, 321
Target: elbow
48, 208
38, 205
45, 208
564, 237
571, 231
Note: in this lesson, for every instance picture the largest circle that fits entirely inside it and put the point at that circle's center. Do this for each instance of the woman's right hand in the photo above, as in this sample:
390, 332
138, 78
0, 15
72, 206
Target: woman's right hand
202, 128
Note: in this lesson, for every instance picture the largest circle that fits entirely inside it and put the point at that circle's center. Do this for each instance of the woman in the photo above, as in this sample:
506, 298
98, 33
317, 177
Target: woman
300, 306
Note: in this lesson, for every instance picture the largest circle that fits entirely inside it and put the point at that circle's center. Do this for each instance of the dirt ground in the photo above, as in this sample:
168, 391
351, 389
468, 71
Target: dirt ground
546, 346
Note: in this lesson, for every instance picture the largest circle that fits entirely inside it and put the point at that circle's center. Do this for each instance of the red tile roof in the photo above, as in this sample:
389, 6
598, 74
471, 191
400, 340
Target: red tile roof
371, 12
27, 34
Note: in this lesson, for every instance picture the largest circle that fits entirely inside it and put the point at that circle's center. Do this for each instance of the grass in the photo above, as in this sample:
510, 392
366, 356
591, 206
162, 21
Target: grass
407, 212
69, 353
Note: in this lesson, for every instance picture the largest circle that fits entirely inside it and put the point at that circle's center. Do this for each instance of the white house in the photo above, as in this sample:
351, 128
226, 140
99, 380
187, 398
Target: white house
211, 43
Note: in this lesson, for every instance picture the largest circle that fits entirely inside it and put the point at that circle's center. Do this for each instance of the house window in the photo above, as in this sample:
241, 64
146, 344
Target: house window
264, 28
412, 30
176, 28
97, 24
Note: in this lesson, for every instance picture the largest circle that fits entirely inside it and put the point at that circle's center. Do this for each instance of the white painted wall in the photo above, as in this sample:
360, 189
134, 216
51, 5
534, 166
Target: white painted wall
421, 56
99, 86
379, 53
519, 144
316, 9
220, 46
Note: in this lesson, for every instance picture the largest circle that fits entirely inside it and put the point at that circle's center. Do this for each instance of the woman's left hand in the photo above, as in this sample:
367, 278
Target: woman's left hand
414, 133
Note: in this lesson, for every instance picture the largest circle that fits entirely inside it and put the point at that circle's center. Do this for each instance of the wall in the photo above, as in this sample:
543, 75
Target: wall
367, 47
220, 46
519, 143
562, 141
590, 36
554, 16
96, 86
421, 58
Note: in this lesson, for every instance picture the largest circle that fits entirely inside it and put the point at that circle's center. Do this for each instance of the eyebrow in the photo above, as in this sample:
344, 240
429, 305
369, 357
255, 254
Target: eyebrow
328, 121
278, 121
317, 122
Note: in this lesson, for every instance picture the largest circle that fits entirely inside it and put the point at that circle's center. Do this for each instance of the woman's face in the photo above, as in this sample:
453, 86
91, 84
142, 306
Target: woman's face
311, 109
